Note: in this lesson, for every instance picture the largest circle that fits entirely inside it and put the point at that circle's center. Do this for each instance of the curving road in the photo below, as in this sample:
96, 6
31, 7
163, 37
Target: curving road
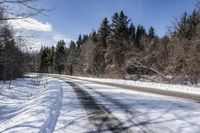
116, 109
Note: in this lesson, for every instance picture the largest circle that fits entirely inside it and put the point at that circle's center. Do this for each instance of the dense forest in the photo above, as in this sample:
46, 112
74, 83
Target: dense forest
14, 60
119, 49
11, 57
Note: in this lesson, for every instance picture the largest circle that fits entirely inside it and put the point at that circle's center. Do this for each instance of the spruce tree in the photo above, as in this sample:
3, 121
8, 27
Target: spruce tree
79, 41
131, 32
117, 42
182, 29
139, 33
100, 46
60, 56
194, 22
103, 32
11, 58
151, 33
119, 26
71, 57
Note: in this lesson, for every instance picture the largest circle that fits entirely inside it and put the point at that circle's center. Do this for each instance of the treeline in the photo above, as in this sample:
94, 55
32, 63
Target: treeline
12, 59
120, 49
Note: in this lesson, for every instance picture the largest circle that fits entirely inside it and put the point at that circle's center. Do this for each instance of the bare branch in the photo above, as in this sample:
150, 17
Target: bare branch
29, 9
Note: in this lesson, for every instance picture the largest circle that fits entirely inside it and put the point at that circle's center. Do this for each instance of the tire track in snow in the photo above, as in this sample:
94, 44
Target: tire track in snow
50, 123
98, 115
129, 112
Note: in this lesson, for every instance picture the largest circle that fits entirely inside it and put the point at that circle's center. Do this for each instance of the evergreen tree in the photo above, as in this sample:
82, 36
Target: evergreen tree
71, 57
117, 42
182, 29
100, 47
85, 38
151, 33
132, 32
187, 26
79, 41
103, 32
139, 33
94, 36
44, 59
11, 58
51, 59
194, 22
119, 26
60, 56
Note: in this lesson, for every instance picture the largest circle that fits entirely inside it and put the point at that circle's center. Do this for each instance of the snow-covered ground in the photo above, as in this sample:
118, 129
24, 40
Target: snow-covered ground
152, 85
148, 112
74, 105
28, 108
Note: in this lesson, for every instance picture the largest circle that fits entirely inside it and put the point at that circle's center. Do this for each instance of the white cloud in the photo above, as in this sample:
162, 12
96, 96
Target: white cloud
34, 41
34, 46
30, 24
57, 37
32, 32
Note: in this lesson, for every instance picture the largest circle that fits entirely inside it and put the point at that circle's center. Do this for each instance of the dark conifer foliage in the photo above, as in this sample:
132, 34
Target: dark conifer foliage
11, 57
132, 32
118, 49
103, 32
140, 32
79, 41
60, 57
151, 33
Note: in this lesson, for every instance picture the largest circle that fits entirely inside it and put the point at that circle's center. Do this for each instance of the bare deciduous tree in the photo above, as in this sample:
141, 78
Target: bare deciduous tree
22, 9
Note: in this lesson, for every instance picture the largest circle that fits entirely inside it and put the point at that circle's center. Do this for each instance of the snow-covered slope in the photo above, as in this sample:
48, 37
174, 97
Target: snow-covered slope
51, 106
26, 107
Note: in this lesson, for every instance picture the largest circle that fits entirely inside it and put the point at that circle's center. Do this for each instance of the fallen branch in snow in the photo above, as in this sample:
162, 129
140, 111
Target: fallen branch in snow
138, 64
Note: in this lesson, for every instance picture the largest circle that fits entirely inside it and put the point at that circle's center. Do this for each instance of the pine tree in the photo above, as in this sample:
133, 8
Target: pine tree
71, 57
132, 32
79, 41
51, 59
100, 47
11, 58
117, 42
85, 38
151, 33
103, 32
94, 36
139, 33
194, 22
60, 56
182, 29
43, 59
119, 26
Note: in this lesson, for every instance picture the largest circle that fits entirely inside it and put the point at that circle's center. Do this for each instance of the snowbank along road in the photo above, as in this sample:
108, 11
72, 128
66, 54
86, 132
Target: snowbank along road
67, 105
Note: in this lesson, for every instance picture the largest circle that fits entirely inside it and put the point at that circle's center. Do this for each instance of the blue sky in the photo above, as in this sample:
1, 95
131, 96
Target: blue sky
73, 17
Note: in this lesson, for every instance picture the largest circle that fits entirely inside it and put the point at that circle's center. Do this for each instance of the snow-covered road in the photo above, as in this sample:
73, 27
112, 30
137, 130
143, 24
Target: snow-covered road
116, 109
69, 105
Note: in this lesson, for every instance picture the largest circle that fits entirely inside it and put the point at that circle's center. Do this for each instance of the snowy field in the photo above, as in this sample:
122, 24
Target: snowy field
73, 106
